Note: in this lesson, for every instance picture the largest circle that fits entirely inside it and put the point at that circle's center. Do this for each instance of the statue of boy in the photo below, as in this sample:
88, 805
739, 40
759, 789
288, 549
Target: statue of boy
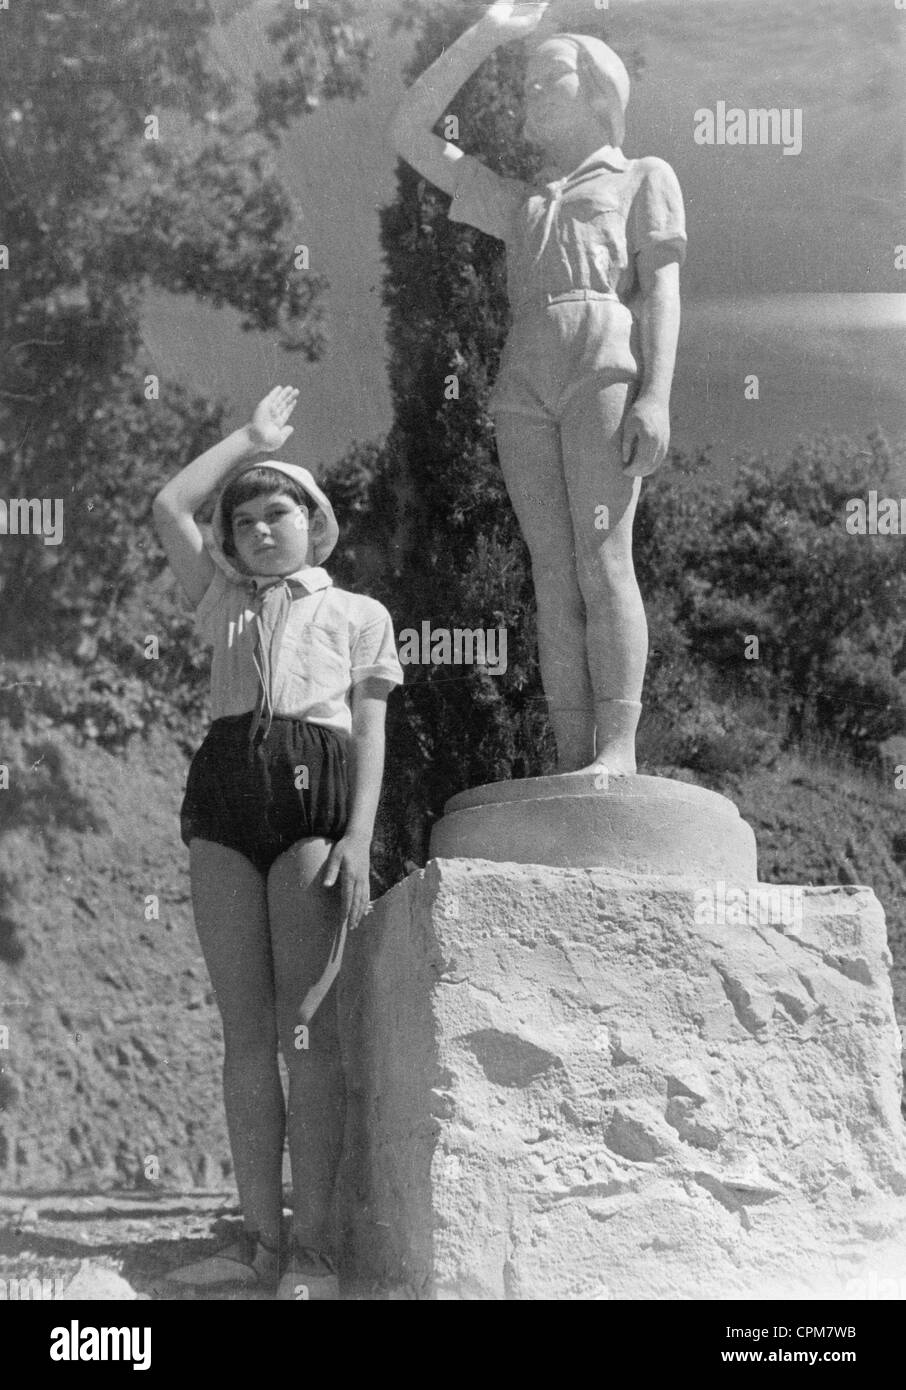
581, 404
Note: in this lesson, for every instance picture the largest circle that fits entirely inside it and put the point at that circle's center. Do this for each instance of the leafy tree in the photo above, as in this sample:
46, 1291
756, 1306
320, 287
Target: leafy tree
96, 213
771, 558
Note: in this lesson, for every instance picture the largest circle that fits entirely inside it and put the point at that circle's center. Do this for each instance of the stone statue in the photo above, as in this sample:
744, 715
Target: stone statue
581, 404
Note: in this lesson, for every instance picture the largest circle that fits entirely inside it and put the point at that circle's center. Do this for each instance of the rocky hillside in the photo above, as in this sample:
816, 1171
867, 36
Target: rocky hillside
112, 1070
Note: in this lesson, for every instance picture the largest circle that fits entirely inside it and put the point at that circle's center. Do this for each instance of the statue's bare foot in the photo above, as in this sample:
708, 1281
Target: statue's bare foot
613, 738
612, 765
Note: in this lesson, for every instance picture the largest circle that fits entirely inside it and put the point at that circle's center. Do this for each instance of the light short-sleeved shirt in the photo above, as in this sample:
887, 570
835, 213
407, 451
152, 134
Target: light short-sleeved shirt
333, 639
583, 231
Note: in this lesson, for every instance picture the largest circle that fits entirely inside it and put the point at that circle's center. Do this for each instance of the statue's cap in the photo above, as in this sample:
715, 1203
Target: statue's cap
607, 71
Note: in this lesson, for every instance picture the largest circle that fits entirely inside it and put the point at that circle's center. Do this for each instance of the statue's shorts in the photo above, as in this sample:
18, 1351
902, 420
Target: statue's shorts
260, 798
559, 346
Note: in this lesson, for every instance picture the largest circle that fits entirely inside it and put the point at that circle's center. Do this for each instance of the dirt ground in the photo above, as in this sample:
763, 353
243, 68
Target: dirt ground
122, 1246
61, 1236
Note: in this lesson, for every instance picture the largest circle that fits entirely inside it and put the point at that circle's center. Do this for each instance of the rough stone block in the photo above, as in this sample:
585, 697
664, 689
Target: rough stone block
564, 1086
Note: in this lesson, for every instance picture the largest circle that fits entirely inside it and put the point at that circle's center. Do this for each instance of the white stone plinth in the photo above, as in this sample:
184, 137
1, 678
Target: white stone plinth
576, 1084
647, 825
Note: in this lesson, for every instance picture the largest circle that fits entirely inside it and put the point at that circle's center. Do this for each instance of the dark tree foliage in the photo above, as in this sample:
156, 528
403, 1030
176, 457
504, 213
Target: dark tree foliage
94, 214
770, 557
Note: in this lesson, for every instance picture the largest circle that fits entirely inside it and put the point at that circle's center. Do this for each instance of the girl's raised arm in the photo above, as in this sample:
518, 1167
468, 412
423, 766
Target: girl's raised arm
178, 501
411, 127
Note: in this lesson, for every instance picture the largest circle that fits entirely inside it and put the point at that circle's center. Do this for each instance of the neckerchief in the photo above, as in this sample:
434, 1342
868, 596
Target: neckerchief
272, 600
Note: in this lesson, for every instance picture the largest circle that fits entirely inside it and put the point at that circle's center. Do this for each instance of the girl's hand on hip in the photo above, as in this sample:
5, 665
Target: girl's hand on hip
269, 430
646, 437
350, 860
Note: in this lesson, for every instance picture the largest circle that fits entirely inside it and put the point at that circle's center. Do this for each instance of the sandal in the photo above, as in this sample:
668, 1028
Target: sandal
309, 1277
239, 1265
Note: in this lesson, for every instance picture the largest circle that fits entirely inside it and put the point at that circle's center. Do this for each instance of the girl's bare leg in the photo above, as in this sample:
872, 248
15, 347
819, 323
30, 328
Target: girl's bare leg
230, 905
304, 918
616, 629
532, 466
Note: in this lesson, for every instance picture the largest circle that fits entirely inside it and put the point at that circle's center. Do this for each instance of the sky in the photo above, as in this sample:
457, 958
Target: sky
790, 274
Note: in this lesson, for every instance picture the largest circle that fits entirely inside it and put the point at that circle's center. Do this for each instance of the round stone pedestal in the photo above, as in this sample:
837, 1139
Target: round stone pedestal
647, 825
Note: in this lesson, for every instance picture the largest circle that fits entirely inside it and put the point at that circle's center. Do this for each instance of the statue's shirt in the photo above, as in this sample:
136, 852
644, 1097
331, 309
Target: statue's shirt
579, 233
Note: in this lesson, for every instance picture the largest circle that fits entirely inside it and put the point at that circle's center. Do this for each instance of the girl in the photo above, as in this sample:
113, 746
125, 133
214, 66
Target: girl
280, 803
581, 403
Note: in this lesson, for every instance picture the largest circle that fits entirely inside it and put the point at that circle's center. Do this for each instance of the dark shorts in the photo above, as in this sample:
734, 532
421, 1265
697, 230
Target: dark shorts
248, 800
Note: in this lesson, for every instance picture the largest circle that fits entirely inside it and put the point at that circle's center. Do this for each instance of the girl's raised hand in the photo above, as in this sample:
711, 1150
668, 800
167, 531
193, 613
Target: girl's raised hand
269, 430
514, 19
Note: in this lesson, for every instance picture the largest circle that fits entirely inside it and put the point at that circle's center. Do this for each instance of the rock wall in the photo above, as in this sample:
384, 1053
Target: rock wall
564, 1086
